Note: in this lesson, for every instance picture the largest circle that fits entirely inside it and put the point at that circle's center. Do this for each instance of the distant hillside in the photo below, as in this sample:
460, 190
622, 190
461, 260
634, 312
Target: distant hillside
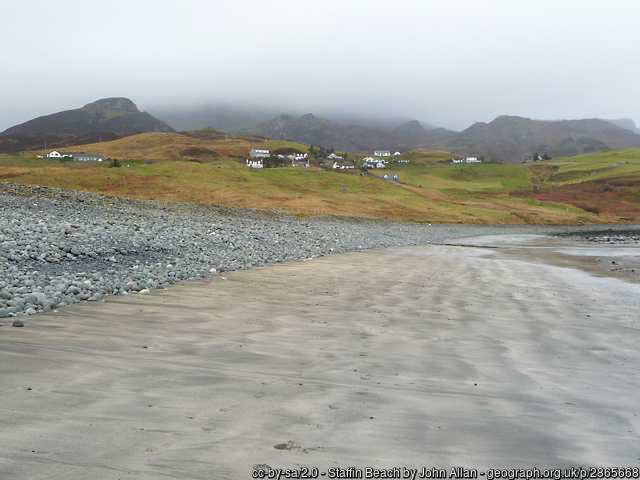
511, 139
627, 123
230, 118
318, 131
118, 115
225, 118
20, 142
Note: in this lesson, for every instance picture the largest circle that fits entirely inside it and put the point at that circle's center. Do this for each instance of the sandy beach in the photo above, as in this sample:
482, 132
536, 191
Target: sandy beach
417, 357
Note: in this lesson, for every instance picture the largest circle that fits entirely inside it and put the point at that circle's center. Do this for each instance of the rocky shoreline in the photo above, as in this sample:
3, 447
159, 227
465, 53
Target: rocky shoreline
59, 247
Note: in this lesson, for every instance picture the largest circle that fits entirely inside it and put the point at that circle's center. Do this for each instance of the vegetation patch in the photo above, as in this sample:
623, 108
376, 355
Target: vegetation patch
196, 151
561, 191
615, 197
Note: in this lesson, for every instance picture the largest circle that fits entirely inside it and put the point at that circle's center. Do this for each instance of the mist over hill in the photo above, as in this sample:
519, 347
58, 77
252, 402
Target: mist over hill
511, 139
507, 139
228, 117
353, 138
626, 123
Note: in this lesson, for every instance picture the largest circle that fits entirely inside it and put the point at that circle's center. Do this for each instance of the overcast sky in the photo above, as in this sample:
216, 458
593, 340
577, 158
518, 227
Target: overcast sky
447, 62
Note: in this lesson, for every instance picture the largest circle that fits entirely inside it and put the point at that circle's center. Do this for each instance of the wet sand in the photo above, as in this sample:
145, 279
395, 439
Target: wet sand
415, 357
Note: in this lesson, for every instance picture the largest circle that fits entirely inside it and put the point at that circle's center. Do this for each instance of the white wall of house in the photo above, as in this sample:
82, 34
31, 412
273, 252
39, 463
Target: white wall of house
254, 163
87, 157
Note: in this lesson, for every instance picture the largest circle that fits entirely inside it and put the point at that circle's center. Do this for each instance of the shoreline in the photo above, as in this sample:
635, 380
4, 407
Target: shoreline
422, 356
63, 247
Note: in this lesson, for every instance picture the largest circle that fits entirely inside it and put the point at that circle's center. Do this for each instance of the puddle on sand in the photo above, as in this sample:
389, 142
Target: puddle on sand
618, 261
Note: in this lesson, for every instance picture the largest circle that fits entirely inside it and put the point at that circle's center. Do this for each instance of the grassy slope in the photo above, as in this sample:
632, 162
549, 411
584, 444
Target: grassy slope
428, 190
168, 146
461, 176
583, 168
606, 183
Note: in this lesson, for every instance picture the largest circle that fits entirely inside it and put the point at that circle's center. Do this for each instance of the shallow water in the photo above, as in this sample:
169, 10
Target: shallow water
605, 260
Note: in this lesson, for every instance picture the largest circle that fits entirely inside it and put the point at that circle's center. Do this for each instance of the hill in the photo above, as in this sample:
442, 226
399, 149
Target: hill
510, 139
626, 123
201, 145
352, 138
117, 115
596, 188
226, 118
232, 117
20, 142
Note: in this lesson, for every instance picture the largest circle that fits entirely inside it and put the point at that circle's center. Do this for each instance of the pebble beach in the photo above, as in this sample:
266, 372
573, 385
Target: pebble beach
59, 247
199, 341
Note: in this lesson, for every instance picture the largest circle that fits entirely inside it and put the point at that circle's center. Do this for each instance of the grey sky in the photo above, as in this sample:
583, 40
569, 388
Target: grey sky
447, 62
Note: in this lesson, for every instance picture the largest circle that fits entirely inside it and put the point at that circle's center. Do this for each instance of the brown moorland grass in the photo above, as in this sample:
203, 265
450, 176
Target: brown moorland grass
170, 146
295, 190
611, 197
434, 192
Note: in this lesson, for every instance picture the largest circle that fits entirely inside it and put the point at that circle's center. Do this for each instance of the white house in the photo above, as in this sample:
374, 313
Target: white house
343, 165
300, 163
466, 160
374, 165
87, 157
389, 176
254, 163
298, 157
397, 153
333, 156
382, 153
400, 160
372, 162
57, 154
259, 153
374, 159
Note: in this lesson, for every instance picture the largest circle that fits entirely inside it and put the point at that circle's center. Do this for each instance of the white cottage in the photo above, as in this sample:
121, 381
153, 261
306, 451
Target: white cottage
343, 165
254, 163
259, 153
87, 157
57, 154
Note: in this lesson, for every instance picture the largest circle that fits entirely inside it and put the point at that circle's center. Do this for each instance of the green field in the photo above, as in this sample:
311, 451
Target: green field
563, 191
590, 167
455, 177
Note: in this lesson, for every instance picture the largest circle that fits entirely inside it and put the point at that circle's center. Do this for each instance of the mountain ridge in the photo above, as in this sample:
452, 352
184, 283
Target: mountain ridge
506, 139
116, 114
353, 138
512, 139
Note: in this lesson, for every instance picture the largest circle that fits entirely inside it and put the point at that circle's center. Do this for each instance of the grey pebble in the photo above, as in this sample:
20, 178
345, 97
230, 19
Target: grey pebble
60, 247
